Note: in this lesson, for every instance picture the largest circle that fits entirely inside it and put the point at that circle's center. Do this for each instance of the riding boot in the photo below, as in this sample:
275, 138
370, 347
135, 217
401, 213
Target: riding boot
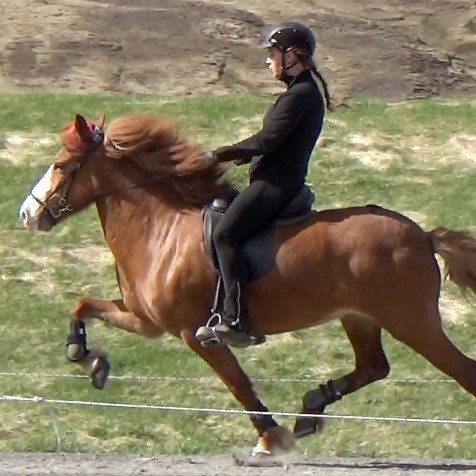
232, 325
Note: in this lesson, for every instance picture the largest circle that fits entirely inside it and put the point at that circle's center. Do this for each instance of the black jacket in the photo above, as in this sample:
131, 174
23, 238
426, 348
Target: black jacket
282, 148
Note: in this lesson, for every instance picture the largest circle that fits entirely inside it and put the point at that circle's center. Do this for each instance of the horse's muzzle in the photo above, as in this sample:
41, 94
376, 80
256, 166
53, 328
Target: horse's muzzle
42, 223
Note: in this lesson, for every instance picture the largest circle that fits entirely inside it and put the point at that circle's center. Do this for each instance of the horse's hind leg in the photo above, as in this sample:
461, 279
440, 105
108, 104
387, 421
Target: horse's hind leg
422, 331
370, 365
114, 313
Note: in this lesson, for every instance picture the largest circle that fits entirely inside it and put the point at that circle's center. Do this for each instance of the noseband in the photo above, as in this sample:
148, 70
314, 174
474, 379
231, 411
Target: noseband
62, 206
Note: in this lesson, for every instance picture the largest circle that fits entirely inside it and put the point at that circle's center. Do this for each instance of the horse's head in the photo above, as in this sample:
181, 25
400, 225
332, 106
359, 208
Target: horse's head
61, 191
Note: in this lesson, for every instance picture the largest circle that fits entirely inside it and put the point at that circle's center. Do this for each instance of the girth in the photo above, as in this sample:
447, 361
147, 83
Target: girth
259, 251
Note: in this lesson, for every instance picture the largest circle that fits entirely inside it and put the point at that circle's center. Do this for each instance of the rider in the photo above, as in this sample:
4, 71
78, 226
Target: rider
279, 155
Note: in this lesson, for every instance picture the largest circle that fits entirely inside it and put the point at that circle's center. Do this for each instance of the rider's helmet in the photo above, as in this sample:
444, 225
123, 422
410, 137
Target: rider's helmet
291, 36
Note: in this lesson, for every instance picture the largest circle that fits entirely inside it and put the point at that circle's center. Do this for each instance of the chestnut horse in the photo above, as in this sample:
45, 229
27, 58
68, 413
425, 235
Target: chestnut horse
369, 267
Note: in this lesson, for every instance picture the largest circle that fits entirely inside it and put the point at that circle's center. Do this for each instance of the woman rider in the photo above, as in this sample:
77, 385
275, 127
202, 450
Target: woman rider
279, 155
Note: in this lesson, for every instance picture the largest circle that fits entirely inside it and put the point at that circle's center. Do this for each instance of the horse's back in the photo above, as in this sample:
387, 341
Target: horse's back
359, 225
363, 214
349, 244
375, 234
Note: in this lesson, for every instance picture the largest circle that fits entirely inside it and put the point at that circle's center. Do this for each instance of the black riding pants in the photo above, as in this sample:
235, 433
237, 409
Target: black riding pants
256, 207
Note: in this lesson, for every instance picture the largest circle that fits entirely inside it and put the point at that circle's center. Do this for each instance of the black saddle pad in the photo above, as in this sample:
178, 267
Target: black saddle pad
259, 250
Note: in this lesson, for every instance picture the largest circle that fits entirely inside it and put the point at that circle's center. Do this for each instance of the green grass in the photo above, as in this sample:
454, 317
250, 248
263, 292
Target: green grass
430, 173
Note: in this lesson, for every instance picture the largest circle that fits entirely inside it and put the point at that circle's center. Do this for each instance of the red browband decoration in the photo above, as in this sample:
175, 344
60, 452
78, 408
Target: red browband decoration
73, 141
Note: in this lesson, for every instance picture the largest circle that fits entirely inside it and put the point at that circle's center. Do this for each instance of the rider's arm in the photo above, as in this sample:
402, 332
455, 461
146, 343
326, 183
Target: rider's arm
278, 123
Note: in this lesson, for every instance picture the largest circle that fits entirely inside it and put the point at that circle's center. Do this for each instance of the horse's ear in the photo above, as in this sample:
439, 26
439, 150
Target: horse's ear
81, 127
100, 122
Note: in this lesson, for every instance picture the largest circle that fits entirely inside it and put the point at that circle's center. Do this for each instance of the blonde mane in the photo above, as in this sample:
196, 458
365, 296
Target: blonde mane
154, 145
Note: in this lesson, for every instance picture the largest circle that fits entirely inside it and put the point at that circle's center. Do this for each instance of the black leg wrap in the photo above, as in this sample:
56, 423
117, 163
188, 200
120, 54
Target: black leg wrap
76, 341
315, 402
262, 422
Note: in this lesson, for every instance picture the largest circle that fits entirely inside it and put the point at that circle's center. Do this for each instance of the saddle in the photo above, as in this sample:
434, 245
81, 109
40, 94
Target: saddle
260, 250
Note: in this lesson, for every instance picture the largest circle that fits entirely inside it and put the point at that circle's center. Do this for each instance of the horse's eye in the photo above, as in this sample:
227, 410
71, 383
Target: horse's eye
59, 166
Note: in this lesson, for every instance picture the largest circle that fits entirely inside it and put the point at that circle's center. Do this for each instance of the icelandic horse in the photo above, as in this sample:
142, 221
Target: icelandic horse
367, 266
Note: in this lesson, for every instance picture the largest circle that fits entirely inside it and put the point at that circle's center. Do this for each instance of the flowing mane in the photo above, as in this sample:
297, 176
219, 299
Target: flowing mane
154, 144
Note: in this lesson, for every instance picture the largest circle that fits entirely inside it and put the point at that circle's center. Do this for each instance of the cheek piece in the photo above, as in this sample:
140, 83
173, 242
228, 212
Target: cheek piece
72, 141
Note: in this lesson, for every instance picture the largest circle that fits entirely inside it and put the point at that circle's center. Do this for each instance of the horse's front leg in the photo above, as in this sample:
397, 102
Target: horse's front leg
114, 313
272, 437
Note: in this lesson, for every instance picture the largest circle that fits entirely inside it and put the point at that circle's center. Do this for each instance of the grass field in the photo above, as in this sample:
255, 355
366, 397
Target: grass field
416, 157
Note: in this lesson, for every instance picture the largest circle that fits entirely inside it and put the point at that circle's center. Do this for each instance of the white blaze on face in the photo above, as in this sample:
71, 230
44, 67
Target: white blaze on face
30, 208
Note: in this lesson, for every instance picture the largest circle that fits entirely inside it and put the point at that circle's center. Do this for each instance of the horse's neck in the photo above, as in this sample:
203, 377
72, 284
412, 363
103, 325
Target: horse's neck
139, 229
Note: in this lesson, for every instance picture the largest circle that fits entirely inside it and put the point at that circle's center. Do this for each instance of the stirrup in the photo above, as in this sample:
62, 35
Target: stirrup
221, 334
207, 335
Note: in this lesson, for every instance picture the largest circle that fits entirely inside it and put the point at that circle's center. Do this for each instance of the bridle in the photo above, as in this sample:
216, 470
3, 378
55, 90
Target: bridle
97, 138
63, 206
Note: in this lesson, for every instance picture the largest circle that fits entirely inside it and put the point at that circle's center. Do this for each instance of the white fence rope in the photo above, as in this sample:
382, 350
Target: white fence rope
12, 398
205, 379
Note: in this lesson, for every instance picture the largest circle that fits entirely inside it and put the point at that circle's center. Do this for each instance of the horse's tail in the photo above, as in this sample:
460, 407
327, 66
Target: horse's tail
458, 250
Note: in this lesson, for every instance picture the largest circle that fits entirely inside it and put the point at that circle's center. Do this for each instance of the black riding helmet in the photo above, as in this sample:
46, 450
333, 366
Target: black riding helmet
291, 35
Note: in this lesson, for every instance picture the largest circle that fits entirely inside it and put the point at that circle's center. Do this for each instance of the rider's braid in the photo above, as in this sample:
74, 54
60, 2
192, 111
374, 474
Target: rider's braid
325, 87
309, 62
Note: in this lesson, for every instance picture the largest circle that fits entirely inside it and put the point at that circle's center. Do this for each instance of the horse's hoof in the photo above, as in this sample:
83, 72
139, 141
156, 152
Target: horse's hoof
306, 426
99, 372
277, 440
75, 352
259, 452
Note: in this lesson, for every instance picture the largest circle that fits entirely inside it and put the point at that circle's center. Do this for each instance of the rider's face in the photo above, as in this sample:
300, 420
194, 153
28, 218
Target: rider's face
274, 61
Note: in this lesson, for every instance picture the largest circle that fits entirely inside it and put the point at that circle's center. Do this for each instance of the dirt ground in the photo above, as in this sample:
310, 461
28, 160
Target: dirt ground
102, 465
392, 49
